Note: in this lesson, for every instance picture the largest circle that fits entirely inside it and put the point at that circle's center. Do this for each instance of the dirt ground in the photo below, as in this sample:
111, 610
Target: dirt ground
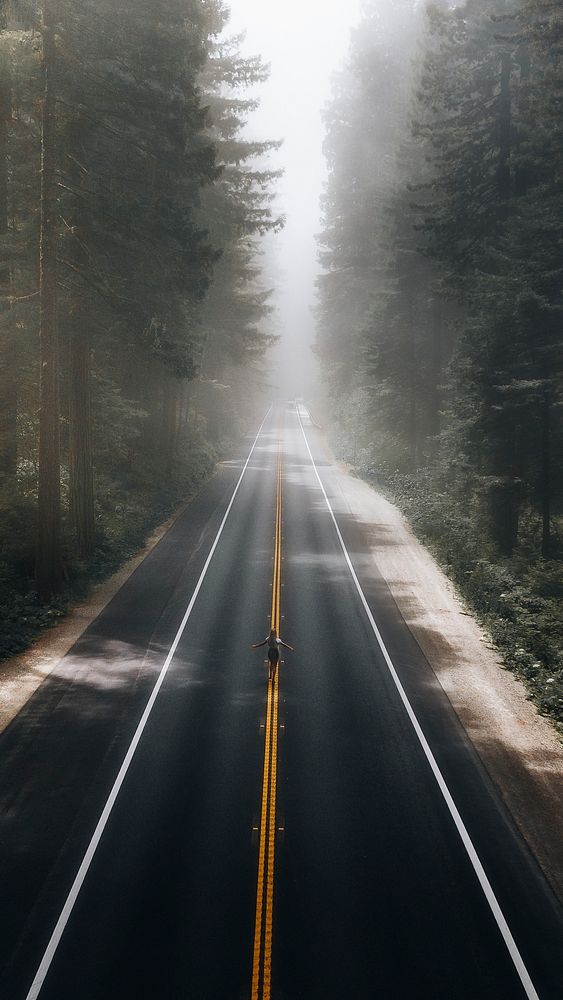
519, 748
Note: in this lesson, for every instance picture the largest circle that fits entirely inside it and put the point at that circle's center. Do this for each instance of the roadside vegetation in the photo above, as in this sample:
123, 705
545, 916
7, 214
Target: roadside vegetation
440, 319
133, 310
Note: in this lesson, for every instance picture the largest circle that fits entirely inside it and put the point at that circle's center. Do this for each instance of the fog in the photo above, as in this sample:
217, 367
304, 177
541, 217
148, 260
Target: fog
304, 43
144, 276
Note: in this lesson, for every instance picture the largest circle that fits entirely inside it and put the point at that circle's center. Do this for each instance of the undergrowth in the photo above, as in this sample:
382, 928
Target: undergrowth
518, 600
126, 512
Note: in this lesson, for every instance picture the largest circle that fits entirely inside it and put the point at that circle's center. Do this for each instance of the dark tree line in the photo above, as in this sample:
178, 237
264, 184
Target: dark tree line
440, 329
440, 308
132, 308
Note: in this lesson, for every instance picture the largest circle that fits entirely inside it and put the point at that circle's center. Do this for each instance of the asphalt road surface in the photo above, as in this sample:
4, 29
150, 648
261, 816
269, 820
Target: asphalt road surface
330, 834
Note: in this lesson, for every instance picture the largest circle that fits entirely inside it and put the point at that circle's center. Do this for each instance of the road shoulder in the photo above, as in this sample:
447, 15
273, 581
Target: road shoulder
519, 749
22, 674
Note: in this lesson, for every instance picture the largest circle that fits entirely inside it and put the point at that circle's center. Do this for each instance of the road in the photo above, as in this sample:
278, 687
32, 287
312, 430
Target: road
189, 830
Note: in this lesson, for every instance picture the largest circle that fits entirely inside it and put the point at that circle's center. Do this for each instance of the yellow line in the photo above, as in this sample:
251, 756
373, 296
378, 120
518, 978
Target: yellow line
263, 927
271, 851
261, 856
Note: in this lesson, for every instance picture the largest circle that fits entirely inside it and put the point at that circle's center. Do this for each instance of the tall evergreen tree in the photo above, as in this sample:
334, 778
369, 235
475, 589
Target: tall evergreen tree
139, 214
238, 210
48, 565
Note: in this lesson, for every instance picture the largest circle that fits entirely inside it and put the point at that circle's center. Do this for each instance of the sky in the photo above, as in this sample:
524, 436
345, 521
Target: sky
304, 41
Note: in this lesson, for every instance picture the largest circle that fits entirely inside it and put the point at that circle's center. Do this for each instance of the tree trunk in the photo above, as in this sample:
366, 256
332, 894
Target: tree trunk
8, 417
436, 361
408, 287
81, 459
505, 494
8, 365
48, 561
196, 401
185, 406
545, 474
521, 173
169, 423
504, 128
80, 430
413, 429
504, 512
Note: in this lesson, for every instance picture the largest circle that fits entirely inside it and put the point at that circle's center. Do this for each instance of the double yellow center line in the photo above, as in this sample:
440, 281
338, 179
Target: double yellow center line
262, 962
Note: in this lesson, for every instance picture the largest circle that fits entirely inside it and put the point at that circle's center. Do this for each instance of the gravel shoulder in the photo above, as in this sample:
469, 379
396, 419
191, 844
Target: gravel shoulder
21, 675
520, 750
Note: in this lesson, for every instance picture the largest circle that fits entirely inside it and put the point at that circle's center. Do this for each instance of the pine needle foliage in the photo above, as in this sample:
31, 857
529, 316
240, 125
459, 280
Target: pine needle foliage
149, 224
440, 311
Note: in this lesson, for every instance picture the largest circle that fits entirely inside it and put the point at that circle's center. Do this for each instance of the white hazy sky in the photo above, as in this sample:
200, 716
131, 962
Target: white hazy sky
304, 41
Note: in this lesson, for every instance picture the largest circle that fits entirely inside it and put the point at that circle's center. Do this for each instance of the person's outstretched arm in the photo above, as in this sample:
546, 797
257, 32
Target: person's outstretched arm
282, 643
255, 645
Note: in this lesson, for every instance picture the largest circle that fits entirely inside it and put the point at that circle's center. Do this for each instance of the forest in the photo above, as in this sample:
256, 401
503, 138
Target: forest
440, 304
133, 308
135, 299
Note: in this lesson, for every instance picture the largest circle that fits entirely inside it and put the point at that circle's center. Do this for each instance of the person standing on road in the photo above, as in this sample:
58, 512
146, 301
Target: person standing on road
274, 643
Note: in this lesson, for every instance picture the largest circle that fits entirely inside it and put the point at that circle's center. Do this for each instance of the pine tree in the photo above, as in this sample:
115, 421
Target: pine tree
8, 377
366, 338
48, 564
239, 213
122, 160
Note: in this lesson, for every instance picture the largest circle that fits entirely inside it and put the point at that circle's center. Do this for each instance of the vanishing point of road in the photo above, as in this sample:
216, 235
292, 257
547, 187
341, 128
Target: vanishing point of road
175, 826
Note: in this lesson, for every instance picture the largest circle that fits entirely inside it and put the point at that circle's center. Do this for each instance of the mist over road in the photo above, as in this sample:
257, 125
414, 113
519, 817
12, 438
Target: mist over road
372, 890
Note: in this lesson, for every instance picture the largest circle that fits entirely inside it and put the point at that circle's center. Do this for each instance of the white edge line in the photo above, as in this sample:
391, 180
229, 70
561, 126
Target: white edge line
460, 825
102, 822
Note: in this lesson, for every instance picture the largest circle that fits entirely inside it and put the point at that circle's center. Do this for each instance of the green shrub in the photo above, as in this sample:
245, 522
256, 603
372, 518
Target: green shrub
517, 600
127, 510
